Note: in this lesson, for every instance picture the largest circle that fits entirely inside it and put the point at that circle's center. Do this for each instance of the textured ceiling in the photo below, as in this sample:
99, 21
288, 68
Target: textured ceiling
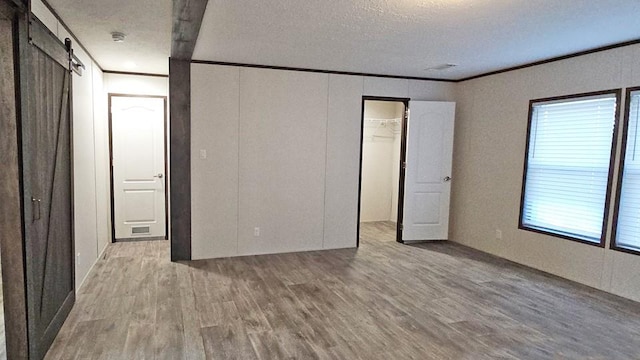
146, 23
405, 37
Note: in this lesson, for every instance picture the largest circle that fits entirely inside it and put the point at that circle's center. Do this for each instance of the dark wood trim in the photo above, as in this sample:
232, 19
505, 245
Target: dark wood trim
272, 67
133, 73
75, 38
625, 250
403, 153
550, 232
553, 59
180, 158
111, 201
186, 23
513, 68
69, 46
360, 173
166, 168
560, 235
166, 160
612, 164
403, 171
623, 153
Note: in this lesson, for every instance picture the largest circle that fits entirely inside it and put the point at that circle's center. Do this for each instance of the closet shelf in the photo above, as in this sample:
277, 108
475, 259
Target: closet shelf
383, 121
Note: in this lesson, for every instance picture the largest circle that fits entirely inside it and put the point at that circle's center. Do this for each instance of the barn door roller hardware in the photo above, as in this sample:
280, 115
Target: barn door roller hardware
74, 62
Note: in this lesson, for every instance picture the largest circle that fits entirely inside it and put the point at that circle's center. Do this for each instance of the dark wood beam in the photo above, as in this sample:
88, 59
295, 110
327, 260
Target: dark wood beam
187, 19
180, 158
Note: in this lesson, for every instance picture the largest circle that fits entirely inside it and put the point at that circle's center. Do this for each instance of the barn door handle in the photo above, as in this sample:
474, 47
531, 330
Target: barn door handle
36, 208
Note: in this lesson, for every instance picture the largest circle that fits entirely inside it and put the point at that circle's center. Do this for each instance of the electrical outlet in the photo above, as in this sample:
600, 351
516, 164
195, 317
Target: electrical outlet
498, 234
203, 154
256, 231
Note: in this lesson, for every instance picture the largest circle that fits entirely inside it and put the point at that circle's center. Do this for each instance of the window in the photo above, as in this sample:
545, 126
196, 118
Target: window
627, 226
568, 165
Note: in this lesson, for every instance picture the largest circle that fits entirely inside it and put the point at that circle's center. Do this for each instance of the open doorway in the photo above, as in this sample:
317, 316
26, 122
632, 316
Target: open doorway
137, 144
381, 171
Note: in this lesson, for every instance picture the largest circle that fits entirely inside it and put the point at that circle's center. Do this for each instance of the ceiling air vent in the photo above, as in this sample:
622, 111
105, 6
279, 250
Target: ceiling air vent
441, 67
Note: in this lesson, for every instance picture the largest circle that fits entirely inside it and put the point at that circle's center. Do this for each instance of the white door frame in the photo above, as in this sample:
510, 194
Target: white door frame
166, 203
403, 159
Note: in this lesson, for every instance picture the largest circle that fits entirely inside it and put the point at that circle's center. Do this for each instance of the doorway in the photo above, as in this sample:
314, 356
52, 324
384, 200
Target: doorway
381, 170
137, 145
405, 170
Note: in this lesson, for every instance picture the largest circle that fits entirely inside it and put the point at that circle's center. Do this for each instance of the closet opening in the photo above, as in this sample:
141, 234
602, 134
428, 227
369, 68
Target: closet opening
382, 159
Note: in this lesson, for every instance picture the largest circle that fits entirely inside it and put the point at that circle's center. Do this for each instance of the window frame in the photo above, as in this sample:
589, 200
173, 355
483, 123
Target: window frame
614, 141
623, 153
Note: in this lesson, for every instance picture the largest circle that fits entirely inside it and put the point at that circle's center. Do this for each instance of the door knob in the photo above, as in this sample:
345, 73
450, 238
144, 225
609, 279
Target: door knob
158, 176
447, 178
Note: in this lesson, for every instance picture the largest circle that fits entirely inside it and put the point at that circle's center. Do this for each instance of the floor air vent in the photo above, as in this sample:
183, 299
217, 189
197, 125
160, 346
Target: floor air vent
137, 230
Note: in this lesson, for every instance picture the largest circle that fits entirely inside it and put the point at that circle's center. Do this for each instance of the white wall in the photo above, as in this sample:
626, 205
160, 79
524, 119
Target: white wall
101, 139
283, 153
84, 176
380, 161
136, 84
91, 233
488, 163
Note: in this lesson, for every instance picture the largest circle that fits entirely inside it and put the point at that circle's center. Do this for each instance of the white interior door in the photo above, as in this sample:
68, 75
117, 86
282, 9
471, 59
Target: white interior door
427, 184
137, 130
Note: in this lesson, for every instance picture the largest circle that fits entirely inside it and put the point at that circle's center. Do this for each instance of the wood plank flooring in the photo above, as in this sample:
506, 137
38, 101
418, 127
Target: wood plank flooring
381, 301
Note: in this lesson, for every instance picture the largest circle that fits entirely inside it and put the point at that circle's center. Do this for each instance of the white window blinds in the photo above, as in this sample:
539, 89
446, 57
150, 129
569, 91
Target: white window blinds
567, 169
628, 227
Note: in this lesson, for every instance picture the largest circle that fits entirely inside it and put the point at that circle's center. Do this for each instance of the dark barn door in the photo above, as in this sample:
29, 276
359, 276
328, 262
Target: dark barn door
47, 181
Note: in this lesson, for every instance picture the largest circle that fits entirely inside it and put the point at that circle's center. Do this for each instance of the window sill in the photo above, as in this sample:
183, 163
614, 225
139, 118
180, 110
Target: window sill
624, 249
561, 235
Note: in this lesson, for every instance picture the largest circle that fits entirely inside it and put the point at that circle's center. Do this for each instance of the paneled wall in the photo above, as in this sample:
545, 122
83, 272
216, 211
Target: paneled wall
491, 128
276, 156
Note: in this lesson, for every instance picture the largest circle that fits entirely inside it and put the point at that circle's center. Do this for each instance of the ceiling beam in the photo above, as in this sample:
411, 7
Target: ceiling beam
187, 19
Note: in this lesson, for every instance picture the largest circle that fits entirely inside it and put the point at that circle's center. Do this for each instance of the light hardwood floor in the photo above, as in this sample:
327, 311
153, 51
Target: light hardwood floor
382, 301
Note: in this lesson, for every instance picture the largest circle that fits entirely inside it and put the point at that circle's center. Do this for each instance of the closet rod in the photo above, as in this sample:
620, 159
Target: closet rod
382, 120
383, 136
